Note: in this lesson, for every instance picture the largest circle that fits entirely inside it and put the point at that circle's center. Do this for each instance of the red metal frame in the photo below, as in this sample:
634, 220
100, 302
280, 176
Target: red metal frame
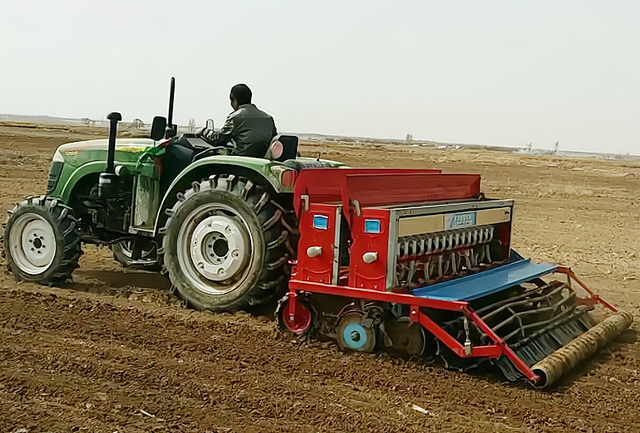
320, 268
593, 297
325, 184
381, 187
369, 275
499, 348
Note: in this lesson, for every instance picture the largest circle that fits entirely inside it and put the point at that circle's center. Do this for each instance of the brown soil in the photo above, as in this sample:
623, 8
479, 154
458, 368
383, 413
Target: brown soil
117, 353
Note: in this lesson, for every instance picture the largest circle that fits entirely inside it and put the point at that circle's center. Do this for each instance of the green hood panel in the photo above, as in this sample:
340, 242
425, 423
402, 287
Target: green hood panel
128, 150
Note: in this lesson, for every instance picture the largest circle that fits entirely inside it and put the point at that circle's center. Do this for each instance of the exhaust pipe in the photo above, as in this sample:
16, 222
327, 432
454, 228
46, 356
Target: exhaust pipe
552, 367
107, 182
171, 130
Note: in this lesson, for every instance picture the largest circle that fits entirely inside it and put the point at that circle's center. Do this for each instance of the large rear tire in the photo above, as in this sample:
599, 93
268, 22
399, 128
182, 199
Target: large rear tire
41, 241
225, 247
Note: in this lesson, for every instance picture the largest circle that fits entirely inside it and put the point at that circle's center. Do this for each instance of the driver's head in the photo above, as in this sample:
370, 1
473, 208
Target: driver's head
240, 95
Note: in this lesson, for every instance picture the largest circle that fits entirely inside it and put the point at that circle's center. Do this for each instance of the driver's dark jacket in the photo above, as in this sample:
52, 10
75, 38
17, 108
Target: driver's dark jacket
248, 127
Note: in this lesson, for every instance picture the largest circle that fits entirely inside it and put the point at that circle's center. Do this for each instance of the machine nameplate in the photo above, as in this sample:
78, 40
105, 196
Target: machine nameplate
462, 219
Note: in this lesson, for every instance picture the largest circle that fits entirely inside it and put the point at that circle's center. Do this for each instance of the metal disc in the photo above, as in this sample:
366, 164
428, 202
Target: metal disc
352, 334
302, 320
407, 337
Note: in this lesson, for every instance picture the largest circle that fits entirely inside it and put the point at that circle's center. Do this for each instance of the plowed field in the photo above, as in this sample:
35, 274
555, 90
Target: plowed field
117, 353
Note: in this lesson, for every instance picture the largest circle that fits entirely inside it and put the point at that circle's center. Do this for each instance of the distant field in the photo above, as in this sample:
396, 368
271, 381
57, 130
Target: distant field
116, 352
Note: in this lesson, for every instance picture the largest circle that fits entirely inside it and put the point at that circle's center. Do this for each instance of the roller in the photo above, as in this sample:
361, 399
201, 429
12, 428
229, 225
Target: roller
552, 367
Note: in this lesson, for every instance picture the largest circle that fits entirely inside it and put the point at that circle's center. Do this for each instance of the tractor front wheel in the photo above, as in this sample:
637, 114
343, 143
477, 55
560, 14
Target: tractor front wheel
41, 241
225, 247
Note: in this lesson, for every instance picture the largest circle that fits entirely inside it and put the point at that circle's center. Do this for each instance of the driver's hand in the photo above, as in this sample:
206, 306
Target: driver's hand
201, 131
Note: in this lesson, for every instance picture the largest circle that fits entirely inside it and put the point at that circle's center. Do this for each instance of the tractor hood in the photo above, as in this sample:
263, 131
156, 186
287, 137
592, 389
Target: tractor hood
81, 152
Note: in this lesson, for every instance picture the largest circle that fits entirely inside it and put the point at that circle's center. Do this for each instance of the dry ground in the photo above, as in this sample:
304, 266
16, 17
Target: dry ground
116, 353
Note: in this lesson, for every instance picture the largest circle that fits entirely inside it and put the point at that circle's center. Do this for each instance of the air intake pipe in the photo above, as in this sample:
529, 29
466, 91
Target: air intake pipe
108, 181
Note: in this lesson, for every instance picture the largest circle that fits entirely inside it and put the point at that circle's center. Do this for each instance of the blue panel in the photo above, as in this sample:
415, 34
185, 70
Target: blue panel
372, 226
487, 282
320, 222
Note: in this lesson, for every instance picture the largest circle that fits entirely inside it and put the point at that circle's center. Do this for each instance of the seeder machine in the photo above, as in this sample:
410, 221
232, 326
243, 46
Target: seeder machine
420, 262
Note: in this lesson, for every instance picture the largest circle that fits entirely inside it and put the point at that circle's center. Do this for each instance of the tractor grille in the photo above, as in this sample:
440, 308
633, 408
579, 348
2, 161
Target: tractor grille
54, 175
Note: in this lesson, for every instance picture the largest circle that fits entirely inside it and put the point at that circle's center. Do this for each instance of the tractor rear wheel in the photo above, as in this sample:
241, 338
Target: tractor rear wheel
41, 241
225, 246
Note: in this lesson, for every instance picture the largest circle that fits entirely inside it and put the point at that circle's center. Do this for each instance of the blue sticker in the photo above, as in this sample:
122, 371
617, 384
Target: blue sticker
320, 222
372, 226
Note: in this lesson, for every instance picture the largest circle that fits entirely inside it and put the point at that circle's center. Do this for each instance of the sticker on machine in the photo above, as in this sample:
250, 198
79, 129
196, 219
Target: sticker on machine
457, 220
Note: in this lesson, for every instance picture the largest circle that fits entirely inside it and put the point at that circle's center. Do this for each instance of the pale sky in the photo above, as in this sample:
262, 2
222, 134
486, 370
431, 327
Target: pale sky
483, 72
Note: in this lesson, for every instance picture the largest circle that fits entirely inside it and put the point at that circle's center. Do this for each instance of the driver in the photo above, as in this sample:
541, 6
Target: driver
249, 128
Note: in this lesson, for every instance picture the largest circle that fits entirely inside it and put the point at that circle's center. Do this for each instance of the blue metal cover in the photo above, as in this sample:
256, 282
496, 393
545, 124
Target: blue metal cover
485, 283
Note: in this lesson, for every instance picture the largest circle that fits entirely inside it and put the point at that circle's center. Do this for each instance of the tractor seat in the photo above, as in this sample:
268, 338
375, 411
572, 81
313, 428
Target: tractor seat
282, 148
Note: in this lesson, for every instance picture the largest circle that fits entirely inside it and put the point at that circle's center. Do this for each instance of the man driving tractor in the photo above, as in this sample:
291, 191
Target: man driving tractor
249, 128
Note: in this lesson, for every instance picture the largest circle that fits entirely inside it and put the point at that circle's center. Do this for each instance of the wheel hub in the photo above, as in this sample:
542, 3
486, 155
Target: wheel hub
219, 247
301, 321
353, 334
33, 244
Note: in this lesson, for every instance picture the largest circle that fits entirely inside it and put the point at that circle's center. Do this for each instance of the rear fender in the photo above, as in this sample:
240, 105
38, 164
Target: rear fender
260, 171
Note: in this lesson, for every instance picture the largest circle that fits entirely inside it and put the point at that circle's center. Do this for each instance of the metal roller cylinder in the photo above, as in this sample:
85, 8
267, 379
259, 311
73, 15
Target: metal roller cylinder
552, 367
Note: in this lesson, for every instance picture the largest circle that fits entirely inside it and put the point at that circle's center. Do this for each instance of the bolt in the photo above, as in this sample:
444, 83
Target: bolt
227, 229
220, 271
355, 336
235, 254
201, 265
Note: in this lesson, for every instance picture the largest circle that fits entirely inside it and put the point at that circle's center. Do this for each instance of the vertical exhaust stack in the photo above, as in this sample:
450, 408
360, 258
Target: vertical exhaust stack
171, 130
107, 184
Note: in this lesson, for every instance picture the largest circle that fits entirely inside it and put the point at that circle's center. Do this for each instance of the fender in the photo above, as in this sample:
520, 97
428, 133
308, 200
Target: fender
265, 171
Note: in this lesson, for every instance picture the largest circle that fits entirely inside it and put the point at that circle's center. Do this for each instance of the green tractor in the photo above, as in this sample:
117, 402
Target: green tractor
222, 228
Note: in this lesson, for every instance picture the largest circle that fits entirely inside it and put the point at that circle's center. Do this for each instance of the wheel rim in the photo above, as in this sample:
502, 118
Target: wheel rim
214, 248
33, 244
300, 322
